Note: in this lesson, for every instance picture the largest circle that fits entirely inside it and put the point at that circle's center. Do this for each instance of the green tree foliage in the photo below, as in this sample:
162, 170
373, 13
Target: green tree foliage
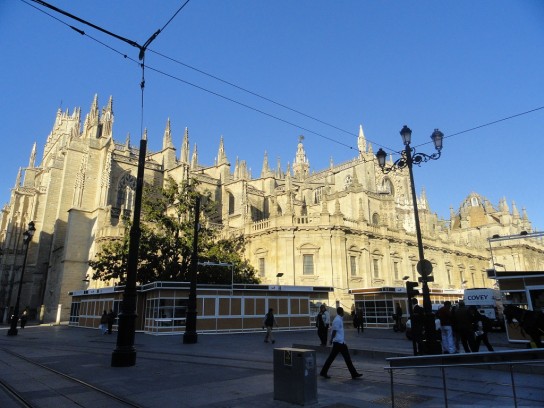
166, 242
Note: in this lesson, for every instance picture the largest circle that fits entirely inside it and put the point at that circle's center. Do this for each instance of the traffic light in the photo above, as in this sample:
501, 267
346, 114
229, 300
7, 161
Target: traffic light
411, 290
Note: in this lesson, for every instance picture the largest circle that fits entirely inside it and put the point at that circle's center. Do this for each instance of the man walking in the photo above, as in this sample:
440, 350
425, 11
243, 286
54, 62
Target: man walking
339, 346
322, 322
446, 328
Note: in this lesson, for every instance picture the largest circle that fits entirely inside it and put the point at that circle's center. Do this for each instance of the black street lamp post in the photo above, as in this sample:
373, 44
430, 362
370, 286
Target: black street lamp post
27, 237
424, 267
190, 336
124, 354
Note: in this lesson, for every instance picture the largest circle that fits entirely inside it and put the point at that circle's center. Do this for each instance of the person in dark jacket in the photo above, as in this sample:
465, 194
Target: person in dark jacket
24, 318
398, 318
446, 328
418, 325
322, 322
268, 323
463, 326
111, 319
481, 326
104, 322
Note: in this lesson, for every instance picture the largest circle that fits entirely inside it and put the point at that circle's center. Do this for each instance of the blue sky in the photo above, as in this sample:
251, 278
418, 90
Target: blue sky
453, 65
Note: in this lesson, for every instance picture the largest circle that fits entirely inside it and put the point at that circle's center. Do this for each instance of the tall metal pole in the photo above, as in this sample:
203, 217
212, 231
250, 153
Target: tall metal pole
424, 266
190, 336
15, 316
27, 237
125, 353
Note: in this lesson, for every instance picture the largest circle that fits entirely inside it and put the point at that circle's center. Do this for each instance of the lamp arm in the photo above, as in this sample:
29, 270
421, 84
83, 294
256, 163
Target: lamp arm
414, 158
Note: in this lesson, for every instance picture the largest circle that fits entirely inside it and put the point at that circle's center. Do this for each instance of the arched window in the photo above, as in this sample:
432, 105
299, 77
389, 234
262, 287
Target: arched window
126, 189
375, 219
387, 186
231, 203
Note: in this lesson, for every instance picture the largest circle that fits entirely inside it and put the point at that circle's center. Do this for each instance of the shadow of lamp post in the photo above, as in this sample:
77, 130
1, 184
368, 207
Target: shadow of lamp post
27, 237
424, 267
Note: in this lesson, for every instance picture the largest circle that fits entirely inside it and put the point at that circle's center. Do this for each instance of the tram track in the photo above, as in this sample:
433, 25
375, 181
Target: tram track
409, 381
54, 383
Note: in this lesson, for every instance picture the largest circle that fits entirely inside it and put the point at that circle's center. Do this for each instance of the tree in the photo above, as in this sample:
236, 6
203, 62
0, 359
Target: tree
166, 241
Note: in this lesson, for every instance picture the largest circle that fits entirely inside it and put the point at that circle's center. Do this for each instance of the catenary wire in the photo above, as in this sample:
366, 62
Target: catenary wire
143, 48
241, 88
253, 93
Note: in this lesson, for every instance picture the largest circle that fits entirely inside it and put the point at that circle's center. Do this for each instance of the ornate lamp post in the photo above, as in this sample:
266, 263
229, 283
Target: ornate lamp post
424, 267
27, 237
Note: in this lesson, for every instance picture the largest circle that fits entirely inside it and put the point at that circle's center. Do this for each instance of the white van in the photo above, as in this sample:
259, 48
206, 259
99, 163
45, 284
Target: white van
488, 302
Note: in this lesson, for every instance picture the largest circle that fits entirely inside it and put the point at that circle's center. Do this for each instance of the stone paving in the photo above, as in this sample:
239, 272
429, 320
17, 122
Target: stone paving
237, 370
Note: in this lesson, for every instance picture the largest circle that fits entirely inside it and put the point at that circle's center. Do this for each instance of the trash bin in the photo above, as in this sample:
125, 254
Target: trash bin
295, 376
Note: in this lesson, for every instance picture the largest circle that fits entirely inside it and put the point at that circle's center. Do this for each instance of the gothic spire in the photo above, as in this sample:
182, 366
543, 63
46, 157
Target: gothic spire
185, 148
301, 166
266, 169
18, 179
278, 169
167, 138
221, 156
194, 159
361, 141
515, 212
32, 160
127, 142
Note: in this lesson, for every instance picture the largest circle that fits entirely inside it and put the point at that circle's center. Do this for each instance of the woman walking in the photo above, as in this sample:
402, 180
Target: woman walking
268, 323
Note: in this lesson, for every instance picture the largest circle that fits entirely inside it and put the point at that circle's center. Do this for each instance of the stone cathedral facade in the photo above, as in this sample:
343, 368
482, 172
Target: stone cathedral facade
347, 226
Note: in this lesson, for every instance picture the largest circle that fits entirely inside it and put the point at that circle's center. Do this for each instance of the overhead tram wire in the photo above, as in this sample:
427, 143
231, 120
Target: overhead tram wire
243, 89
255, 94
488, 124
144, 48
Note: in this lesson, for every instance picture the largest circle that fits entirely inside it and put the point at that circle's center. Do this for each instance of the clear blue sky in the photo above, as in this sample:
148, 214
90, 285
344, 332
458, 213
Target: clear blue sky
453, 65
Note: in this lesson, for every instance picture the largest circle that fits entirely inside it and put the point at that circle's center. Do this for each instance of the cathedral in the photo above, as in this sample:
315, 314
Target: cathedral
348, 226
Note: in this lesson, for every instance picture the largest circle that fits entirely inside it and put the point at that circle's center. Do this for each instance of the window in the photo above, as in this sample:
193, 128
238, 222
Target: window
261, 267
375, 219
448, 271
376, 264
387, 186
318, 195
353, 265
125, 192
396, 270
231, 203
308, 264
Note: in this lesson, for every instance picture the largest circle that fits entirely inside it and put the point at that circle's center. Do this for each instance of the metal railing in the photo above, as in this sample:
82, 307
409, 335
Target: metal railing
474, 360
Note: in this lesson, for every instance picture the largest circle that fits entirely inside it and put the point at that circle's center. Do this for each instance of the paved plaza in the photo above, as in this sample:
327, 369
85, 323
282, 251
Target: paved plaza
237, 370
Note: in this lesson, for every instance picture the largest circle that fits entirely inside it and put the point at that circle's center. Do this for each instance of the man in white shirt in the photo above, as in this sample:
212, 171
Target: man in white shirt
338, 346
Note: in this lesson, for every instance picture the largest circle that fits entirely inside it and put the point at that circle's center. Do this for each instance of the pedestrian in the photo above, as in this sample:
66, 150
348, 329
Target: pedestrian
360, 320
398, 317
463, 325
104, 322
24, 318
418, 324
322, 323
456, 335
268, 323
339, 346
446, 328
481, 326
111, 319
